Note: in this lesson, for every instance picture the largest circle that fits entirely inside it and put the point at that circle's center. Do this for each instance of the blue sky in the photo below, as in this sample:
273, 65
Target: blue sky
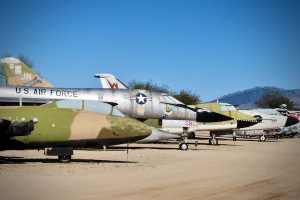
211, 47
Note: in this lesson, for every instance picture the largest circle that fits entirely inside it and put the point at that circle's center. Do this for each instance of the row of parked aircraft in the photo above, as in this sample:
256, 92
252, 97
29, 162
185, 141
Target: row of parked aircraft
62, 119
244, 122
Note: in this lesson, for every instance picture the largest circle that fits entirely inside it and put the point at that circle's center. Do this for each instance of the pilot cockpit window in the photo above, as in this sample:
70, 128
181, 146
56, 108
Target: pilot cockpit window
231, 108
227, 107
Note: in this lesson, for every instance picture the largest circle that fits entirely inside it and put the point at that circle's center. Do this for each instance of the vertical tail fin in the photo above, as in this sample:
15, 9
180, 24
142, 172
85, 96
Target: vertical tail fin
110, 81
18, 73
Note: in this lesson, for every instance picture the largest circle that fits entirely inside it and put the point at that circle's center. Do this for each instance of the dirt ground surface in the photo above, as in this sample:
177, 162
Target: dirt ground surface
245, 169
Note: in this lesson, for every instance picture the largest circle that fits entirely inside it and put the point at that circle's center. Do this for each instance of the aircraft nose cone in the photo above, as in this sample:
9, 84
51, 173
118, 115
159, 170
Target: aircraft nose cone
290, 121
158, 135
205, 116
244, 123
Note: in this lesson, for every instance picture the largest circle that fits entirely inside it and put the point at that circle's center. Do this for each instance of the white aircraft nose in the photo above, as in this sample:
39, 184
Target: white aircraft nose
158, 135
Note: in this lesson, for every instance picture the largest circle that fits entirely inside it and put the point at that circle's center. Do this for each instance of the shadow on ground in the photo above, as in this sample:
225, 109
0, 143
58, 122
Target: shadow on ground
20, 160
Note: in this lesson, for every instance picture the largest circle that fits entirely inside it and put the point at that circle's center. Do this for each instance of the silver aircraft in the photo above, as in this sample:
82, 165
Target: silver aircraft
187, 128
139, 104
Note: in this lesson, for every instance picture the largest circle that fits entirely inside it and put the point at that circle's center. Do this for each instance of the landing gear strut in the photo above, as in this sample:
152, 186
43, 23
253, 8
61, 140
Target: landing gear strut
183, 140
234, 136
213, 140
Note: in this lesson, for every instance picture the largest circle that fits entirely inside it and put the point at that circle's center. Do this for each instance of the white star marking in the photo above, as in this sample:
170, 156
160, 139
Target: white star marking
141, 99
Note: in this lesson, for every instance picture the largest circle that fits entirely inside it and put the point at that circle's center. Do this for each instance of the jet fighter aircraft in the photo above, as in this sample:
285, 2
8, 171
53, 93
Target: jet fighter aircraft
295, 129
240, 120
19, 74
65, 125
271, 120
139, 104
186, 128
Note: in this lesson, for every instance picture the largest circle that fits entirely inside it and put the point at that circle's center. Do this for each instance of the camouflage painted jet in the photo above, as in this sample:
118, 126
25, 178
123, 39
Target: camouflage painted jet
65, 125
19, 74
139, 104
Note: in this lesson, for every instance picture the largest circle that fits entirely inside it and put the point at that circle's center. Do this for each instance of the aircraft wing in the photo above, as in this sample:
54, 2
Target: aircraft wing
167, 99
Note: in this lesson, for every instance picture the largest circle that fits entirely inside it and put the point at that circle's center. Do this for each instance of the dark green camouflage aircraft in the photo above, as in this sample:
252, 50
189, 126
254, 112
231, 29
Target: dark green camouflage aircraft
65, 125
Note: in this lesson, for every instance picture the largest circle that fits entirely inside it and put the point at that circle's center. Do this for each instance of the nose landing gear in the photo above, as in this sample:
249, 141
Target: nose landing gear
183, 140
213, 140
262, 138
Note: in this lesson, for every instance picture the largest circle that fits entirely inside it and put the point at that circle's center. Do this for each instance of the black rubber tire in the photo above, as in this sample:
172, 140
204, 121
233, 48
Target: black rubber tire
64, 158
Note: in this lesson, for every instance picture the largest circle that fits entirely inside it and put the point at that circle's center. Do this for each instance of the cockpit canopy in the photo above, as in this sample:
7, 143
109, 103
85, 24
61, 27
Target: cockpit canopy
227, 107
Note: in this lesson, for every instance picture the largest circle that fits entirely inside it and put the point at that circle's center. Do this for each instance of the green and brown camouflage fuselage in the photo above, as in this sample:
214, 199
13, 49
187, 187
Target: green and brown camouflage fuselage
66, 127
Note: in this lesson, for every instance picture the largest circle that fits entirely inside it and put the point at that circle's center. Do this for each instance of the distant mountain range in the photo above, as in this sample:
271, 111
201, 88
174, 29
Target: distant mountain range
246, 99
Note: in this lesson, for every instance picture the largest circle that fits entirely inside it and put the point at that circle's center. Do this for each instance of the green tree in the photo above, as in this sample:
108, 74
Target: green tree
2, 77
149, 85
187, 97
274, 100
26, 60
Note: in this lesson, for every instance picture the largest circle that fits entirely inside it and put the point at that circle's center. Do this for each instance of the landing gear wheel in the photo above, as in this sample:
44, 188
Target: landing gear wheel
183, 146
213, 141
262, 138
64, 159
234, 138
